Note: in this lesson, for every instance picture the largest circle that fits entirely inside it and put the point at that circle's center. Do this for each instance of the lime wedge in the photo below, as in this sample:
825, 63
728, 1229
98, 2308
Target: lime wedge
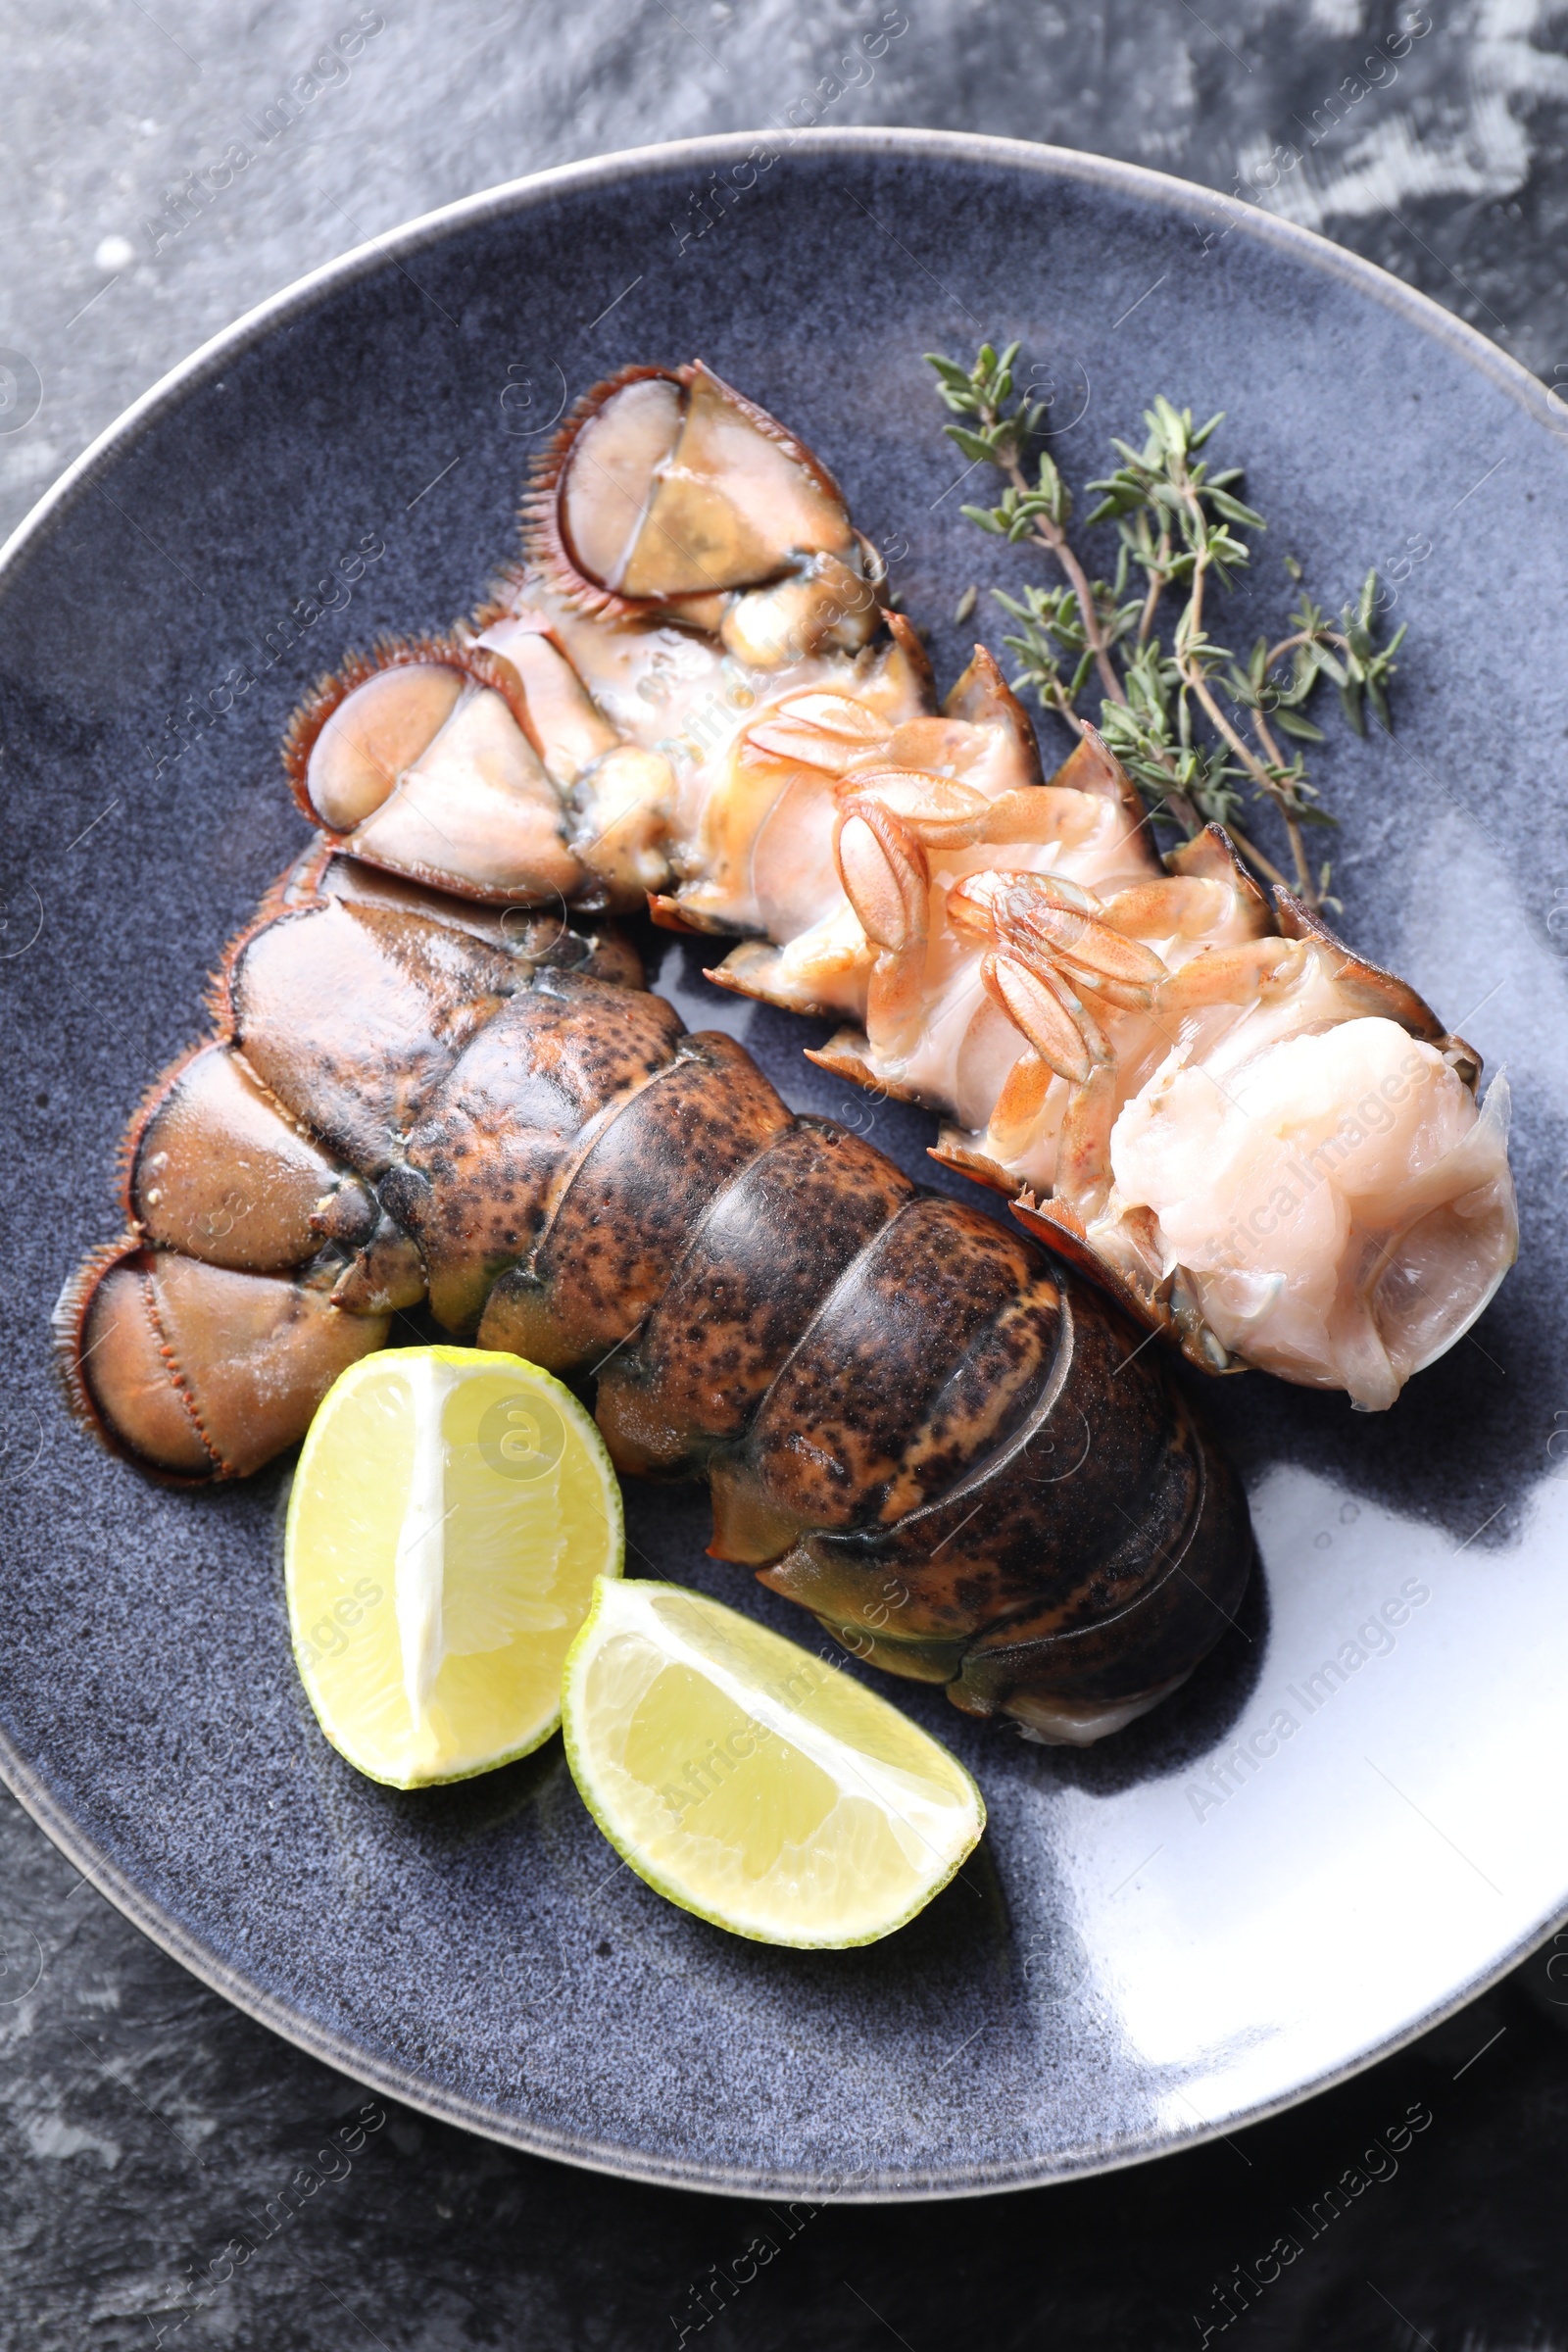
451, 1511
752, 1782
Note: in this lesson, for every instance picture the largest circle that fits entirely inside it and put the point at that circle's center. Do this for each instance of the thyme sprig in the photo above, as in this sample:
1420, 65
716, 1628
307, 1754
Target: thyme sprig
1192, 723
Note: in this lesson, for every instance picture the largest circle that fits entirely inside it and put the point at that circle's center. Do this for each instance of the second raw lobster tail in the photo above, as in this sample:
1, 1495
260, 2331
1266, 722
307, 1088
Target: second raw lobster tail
693, 689
912, 1422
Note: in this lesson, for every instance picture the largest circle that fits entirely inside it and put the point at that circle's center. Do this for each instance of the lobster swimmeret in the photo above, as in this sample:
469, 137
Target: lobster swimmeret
913, 1423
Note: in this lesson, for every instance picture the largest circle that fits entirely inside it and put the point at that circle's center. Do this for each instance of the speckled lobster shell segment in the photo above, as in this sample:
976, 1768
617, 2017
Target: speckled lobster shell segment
257, 1262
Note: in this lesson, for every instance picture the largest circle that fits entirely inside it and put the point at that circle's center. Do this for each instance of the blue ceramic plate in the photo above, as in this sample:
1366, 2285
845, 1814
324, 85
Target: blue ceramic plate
1212, 1915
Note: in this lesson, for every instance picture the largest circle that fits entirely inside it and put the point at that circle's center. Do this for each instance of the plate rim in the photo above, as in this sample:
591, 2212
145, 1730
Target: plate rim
1163, 188
448, 2106
296, 300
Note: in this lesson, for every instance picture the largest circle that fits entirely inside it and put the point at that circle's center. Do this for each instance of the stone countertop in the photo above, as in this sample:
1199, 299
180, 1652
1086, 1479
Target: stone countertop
168, 167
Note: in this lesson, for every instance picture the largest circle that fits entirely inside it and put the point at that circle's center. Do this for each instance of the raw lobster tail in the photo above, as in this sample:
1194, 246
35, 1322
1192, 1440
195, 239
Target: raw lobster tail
1267, 1148
913, 1423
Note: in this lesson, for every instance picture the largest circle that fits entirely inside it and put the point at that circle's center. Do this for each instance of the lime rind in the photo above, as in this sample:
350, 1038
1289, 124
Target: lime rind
427, 1780
669, 1885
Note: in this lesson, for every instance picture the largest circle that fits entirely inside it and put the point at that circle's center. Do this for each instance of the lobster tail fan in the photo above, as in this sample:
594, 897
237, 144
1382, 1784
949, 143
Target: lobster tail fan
435, 652
546, 545
668, 491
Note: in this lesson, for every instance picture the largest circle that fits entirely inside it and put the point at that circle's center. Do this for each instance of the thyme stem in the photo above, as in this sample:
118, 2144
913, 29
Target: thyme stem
1158, 581
1304, 885
1263, 777
1054, 538
1052, 535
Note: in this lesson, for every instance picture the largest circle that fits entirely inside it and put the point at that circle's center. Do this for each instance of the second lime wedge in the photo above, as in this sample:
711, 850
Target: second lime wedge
756, 1785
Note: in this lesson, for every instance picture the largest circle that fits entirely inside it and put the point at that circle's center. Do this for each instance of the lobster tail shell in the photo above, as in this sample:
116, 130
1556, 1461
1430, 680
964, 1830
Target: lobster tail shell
259, 1264
912, 1421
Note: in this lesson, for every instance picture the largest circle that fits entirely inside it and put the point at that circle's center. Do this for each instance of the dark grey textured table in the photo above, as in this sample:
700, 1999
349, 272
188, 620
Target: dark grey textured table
171, 166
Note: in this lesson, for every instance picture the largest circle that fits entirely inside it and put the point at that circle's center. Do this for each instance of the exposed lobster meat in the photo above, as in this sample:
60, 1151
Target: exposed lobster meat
912, 1421
1265, 1146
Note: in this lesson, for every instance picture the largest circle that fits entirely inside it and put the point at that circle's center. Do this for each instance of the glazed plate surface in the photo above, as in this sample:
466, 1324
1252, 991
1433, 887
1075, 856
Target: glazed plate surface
1211, 1915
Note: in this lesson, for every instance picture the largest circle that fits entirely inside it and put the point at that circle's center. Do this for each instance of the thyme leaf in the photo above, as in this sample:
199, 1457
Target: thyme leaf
1196, 725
